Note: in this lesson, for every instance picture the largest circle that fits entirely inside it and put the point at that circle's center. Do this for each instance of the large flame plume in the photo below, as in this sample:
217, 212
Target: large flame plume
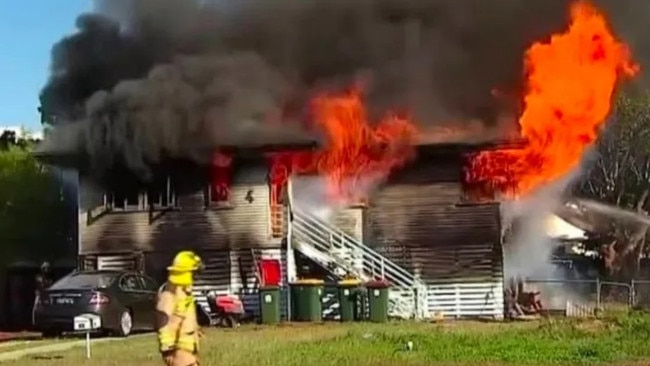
356, 149
570, 83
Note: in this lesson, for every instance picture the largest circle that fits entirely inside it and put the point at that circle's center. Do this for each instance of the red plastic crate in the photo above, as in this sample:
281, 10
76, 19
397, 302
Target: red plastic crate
270, 272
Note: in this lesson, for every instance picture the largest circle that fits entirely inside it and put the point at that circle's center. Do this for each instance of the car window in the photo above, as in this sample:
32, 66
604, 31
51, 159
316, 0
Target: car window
130, 283
82, 280
149, 284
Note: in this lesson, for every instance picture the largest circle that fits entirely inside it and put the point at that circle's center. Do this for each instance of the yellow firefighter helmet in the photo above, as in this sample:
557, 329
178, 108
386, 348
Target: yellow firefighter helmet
183, 267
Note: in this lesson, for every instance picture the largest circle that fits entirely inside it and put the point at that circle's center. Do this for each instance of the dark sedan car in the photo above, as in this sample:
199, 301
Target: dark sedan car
125, 301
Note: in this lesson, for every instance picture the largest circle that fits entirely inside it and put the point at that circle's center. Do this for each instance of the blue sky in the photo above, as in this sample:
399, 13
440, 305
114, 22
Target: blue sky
28, 29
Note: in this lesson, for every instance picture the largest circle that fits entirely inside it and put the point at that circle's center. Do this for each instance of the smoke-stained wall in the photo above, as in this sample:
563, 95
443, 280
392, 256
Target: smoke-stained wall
243, 223
421, 220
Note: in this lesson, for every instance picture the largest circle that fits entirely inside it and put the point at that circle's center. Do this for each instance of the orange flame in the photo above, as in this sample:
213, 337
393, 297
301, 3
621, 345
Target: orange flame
570, 83
354, 149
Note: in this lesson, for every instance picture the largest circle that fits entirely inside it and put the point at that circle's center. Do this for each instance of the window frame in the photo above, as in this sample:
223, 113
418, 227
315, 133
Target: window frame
109, 202
222, 204
145, 203
127, 275
210, 188
144, 279
169, 190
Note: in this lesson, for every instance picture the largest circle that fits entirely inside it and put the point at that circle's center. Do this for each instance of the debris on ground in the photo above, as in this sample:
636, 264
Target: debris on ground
522, 304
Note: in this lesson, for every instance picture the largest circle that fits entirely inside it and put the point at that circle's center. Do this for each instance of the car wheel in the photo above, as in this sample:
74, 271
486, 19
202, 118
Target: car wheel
125, 324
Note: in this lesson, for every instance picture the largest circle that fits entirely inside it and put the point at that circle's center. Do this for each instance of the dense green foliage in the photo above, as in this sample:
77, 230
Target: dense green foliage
620, 169
32, 208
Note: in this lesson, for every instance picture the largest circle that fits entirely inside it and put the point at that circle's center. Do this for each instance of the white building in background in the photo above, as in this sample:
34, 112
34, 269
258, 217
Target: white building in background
559, 229
573, 237
23, 132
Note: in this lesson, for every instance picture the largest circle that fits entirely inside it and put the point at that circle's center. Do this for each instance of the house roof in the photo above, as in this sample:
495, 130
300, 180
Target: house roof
76, 159
71, 158
63, 145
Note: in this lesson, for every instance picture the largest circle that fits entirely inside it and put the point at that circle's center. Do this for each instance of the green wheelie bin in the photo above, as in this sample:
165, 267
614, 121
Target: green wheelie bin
306, 300
349, 291
378, 301
270, 305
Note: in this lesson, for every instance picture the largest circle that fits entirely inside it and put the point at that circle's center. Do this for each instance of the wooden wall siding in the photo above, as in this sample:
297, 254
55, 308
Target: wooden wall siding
117, 262
464, 262
112, 261
244, 225
427, 216
417, 220
215, 277
459, 246
350, 220
86, 262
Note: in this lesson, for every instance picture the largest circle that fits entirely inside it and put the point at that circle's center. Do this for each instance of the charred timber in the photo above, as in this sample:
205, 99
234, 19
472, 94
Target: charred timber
462, 148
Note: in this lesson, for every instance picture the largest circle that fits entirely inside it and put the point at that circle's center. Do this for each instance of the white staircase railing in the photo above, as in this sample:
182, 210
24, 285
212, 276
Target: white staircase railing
331, 246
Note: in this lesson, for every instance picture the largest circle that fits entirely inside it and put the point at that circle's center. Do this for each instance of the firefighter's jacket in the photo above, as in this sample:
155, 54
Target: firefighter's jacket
177, 324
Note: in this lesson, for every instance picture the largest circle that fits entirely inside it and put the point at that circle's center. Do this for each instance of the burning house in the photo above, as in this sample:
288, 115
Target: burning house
313, 147
414, 226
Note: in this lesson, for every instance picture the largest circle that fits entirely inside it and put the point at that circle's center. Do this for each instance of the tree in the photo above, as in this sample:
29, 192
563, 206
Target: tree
32, 207
619, 175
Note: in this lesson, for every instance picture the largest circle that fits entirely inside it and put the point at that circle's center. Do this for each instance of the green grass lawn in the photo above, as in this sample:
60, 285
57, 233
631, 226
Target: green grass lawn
10, 346
621, 341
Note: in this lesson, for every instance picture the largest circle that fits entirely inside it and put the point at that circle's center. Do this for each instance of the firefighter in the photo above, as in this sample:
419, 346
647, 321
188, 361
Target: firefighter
43, 278
43, 282
178, 330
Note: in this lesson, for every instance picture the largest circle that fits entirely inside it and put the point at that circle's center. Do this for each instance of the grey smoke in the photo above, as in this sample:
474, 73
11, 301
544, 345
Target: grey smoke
530, 248
145, 79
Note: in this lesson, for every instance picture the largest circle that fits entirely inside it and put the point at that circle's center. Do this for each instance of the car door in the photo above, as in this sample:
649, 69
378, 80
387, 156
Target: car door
151, 291
134, 296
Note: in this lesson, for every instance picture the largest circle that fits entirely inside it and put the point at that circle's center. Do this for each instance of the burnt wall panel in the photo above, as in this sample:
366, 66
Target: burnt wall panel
465, 262
248, 223
417, 220
350, 220
214, 277
216, 274
244, 224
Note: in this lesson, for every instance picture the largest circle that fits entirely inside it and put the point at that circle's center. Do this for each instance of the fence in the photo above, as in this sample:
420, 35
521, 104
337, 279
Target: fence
579, 298
641, 294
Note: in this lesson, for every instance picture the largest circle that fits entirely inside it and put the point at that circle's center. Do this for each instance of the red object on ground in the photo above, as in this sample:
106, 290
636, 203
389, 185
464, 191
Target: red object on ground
229, 304
270, 272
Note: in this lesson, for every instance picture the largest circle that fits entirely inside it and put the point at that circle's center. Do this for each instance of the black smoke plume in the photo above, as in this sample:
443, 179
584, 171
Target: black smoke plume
142, 80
